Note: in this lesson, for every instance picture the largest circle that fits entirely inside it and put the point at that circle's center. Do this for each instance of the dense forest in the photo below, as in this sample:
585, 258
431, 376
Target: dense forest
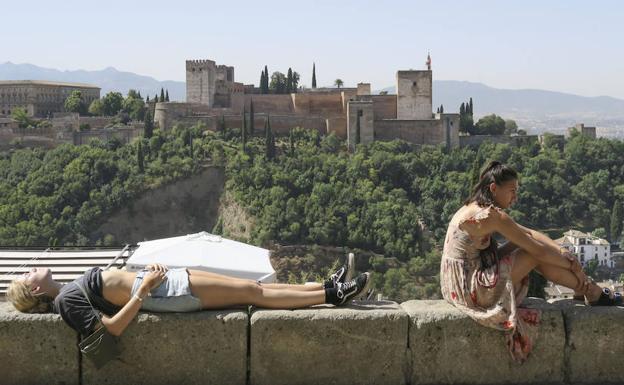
393, 199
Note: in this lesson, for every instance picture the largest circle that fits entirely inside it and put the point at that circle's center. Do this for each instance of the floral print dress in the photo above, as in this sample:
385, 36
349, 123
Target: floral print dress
480, 285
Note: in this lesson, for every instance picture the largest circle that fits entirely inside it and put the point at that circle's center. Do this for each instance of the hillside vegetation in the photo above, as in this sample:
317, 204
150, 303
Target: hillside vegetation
391, 199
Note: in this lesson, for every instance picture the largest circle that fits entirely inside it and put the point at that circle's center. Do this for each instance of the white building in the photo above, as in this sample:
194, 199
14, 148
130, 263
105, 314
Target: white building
587, 247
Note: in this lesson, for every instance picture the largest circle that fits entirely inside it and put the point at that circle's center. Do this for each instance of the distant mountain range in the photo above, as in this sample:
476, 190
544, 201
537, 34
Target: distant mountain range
109, 79
534, 110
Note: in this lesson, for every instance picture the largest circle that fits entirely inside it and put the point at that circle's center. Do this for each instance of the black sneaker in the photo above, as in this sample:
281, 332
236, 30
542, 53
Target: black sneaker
342, 275
336, 278
347, 291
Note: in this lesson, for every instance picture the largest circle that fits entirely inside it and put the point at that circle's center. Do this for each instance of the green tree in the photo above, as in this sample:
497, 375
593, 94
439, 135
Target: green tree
252, 118
269, 140
140, 157
511, 127
244, 130
278, 82
74, 103
22, 118
156, 98
162, 95
289, 81
338, 83
295, 81
112, 103
167, 96
441, 108
617, 221
490, 125
96, 108
148, 130
313, 75
134, 106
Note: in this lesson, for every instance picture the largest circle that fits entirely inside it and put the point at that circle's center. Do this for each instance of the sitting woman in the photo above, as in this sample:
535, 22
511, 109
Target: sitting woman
118, 295
488, 282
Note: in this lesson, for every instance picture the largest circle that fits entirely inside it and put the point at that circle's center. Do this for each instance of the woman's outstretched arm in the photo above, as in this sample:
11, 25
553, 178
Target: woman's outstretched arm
120, 321
543, 251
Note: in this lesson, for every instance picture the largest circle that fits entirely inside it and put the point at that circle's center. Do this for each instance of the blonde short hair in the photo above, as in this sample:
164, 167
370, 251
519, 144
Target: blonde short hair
24, 300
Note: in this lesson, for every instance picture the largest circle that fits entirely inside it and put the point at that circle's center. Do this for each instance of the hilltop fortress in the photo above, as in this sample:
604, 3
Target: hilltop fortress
354, 114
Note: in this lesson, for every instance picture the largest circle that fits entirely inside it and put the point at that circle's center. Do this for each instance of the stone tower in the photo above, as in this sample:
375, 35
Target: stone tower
414, 95
201, 81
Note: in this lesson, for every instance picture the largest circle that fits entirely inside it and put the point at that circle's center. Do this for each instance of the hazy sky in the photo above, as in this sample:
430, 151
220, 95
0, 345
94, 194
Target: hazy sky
568, 46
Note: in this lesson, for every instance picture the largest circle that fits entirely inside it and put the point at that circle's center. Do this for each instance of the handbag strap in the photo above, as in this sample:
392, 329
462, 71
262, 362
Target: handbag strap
84, 291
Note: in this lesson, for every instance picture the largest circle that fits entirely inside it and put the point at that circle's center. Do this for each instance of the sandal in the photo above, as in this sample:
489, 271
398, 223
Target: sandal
605, 299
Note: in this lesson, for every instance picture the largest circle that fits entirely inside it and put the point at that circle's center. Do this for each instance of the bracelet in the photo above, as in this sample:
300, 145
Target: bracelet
137, 297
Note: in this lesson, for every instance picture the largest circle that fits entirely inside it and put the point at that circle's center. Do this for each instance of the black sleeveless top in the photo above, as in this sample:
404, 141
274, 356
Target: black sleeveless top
74, 308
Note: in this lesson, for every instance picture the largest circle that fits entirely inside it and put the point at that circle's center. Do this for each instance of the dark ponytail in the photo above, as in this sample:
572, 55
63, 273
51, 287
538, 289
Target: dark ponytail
494, 172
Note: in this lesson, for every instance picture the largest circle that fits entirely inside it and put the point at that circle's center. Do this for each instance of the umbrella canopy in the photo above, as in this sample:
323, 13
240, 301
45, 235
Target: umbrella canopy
208, 252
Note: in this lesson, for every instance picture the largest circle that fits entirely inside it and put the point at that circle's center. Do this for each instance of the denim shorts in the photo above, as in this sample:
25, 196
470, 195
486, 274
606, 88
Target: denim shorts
173, 295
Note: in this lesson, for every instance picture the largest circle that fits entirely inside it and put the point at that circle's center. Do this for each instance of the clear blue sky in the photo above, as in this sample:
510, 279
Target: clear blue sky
569, 46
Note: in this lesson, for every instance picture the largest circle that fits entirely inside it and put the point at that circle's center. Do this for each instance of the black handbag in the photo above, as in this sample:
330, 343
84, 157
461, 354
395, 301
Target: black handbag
101, 346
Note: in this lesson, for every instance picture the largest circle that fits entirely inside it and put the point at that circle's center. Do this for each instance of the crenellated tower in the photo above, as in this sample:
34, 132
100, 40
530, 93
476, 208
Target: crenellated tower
201, 78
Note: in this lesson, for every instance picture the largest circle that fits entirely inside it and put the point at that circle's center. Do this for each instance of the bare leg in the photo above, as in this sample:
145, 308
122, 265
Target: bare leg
274, 286
223, 293
525, 262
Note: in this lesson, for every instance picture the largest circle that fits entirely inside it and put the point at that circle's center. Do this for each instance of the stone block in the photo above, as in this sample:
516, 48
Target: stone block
364, 343
447, 347
207, 347
36, 348
594, 348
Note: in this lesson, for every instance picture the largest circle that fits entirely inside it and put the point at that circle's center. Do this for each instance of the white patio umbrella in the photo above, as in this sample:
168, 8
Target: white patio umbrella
208, 252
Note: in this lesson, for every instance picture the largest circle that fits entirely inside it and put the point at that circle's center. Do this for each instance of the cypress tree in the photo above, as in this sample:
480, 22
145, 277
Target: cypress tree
291, 141
167, 96
266, 80
244, 130
140, 157
252, 125
438, 110
222, 124
313, 75
139, 95
289, 81
462, 110
147, 99
156, 98
148, 129
617, 221
441, 108
471, 111
269, 139
261, 84
162, 95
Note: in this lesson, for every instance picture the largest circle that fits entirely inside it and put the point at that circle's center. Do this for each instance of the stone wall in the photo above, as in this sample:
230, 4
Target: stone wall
385, 106
478, 140
125, 134
359, 123
431, 132
416, 342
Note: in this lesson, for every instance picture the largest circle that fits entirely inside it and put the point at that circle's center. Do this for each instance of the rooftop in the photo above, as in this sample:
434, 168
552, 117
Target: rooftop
45, 83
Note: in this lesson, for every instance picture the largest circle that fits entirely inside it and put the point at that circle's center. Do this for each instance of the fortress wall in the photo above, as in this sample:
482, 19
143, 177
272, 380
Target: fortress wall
416, 342
281, 124
384, 106
414, 131
126, 135
478, 140
326, 104
95, 122
338, 126
273, 104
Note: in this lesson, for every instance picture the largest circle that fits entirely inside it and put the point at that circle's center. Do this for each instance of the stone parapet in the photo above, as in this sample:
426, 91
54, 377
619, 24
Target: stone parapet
361, 344
417, 342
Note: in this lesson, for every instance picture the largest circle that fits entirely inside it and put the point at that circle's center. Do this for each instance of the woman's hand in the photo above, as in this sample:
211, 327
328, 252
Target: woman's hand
154, 277
577, 269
